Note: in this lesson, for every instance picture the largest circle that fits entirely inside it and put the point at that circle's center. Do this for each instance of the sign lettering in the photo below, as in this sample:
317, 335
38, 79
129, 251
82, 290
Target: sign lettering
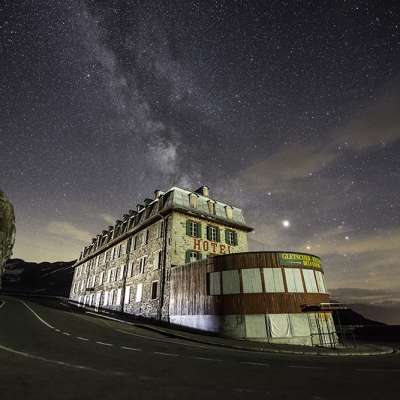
299, 259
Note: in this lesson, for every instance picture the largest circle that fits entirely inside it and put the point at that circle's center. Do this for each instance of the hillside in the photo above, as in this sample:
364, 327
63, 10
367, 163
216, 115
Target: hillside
53, 278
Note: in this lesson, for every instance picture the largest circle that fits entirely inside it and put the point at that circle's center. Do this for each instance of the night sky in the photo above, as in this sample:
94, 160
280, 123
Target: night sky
288, 109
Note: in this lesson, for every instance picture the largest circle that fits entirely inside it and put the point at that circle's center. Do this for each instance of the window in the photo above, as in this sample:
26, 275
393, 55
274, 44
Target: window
320, 282
154, 290
229, 212
192, 256
101, 278
127, 297
293, 280
118, 300
193, 228
121, 272
119, 251
145, 237
130, 265
231, 237
273, 280
230, 282
193, 200
213, 233
214, 283
108, 276
211, 207
251, 280
157, 260
135, 242
111, 298
160, 230
309, 280
139, 289
142, 264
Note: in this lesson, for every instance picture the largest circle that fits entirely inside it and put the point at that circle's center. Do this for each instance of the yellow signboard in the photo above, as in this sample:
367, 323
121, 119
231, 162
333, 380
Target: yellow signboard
301, 259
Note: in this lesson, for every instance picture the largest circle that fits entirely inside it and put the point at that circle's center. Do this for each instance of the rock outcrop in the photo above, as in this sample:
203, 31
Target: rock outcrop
7, 231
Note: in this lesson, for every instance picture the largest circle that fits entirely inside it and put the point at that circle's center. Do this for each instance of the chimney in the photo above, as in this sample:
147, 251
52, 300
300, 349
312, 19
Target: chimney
203, 190
158, 193
132, 212
147, 201
125, 217
139, 207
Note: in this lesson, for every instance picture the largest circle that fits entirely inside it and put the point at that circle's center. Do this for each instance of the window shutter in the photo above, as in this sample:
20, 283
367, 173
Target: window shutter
235, 238
188, 227
218, 235
226, 236
199, 255
208, 233
198, 229
187, 256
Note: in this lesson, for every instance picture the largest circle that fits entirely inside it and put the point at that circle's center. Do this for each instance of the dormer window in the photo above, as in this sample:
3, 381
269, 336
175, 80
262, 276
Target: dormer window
228, 212
193, 200
211, 207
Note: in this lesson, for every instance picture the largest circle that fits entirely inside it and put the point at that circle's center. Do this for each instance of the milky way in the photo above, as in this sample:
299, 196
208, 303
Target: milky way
288, 109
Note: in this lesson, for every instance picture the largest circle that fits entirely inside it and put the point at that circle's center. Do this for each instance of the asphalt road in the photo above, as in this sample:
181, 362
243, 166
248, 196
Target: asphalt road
47, 353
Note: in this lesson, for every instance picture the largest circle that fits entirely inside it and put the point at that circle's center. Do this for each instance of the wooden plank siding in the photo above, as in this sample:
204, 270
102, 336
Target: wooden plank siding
189, 294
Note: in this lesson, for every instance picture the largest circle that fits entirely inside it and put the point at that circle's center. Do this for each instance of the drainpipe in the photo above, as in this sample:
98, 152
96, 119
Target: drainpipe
128, 253
163, 268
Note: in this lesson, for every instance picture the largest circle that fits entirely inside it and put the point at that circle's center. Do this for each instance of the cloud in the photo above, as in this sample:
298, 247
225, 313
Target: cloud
69, 231
378, 125
108, 218
164, 155
334, 242
289, 163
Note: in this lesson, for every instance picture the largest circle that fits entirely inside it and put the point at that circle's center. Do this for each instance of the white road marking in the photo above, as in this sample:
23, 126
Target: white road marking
206, 359
21, 353
305, 367
130, 348
104, 344
66, 333
37, 316
377, 370
2, 304
166, 354
82, 338
254, 363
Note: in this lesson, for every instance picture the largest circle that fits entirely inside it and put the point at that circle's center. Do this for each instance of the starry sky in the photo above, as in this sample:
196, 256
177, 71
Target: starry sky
288, 109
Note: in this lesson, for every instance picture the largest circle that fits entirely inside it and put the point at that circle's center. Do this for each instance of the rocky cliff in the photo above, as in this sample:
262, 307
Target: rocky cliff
7, 231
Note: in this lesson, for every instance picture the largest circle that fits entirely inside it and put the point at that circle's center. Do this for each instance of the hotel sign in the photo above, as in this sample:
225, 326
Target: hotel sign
299, 259
212, 247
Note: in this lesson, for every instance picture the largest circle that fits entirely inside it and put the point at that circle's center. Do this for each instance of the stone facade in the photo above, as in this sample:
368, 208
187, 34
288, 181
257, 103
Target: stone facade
127, 267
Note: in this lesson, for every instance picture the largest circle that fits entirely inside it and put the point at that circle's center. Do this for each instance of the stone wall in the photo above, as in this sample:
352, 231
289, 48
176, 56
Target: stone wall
182, 242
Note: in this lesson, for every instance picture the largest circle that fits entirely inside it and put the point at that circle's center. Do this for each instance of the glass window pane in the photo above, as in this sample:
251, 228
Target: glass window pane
251, 280
273, 280
230, 282
215, 283
309, 280
293, 280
